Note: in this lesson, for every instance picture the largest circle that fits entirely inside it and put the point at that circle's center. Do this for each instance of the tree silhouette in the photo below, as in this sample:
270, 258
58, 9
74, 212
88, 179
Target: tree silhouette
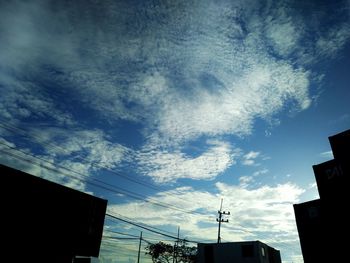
164, 253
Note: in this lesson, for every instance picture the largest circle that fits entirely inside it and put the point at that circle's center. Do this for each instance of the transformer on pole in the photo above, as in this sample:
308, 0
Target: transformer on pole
221, 220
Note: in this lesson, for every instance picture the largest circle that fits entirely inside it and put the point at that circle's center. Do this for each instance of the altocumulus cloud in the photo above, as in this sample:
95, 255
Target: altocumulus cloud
77, 154
179, 70
164, 166
42, 165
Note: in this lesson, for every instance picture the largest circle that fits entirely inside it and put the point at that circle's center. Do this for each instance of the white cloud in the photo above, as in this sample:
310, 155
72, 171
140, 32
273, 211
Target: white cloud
124, 251
249, 181
264, 213
312, 186
88, 148
41, 166
249, 158
260, 172
26, 99
283, 32
201, 72
297, 258
80, 152
329, 44
249, 162
102, 92
164, 166
190, 71
344, 118
245, 181
205, 71
150, 88
251, 155
327, 155
259, 92
230, 82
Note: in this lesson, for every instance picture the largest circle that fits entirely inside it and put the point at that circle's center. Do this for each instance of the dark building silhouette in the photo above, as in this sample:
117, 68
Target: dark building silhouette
82, 260
309, 223
42, 221
238, 252
322, 223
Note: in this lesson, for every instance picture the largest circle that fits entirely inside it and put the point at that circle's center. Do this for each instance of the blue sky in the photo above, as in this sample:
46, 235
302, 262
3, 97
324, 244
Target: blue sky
178, 103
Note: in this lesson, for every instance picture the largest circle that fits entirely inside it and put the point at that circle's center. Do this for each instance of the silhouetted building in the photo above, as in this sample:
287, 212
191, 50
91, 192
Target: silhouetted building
340, 144
42, 221
309, 222
82, 260
322, 222
238, 252
331, 180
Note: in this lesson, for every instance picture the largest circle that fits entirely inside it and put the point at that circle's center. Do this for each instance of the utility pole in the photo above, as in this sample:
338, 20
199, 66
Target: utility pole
138, 256
176, 245
221, 220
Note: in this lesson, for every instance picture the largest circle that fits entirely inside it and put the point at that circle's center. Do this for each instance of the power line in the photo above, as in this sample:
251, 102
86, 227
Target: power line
109, 244
120, 238
126, 192
148, 228
134, 236
108, 187
120, 233
142, 224
138, 225
126, 221
110, 215
23, 133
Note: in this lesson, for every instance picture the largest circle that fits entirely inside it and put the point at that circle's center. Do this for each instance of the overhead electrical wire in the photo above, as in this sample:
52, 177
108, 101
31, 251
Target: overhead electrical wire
119, 233
23, 132
150, 229
142, 224
120, 191
115, 217
96, 182
121, 238
77, 178
133, 236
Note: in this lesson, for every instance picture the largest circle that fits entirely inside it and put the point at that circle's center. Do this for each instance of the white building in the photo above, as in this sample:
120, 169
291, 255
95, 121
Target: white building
238, 252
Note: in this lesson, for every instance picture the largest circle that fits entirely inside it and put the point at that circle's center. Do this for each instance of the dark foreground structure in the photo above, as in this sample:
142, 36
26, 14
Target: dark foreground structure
323, 223
42, 221
238, 252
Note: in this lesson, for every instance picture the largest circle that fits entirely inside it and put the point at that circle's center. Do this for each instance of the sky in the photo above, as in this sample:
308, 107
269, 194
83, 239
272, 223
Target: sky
166, 107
